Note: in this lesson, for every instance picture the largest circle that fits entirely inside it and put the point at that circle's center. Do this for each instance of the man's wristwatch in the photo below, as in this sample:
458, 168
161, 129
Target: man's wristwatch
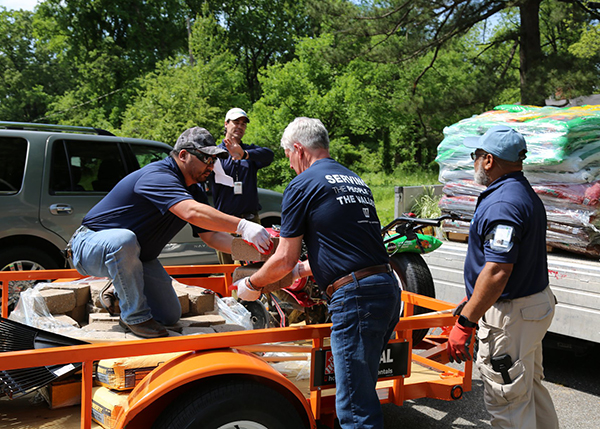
463, 321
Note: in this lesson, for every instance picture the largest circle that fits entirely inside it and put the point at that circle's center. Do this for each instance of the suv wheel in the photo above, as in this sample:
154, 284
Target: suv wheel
23, 258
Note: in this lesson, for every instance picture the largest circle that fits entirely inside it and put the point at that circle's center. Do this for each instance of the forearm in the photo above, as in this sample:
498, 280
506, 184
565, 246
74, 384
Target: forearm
205, 216
280, 264
489, 286
220, 241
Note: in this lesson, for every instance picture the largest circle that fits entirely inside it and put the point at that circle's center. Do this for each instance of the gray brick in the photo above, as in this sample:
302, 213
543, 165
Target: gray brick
250, 269
102, 318
200, 302
59, 301
192, 330
228, 327
242, 251
205, 320
81, 290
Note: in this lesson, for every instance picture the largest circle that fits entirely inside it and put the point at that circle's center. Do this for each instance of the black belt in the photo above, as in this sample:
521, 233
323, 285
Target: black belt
359, 275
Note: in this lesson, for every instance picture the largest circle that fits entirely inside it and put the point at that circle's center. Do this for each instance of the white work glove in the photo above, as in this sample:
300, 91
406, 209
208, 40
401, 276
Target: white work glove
244, 291
302, 269
254, 234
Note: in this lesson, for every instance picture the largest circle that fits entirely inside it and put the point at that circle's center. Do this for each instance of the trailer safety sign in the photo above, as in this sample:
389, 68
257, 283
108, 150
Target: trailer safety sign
393, 363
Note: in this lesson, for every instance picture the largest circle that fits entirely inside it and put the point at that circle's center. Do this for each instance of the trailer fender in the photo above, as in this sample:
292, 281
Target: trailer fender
194, 366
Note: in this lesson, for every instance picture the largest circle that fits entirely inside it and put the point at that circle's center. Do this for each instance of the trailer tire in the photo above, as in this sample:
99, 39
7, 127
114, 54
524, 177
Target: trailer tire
414, 277
231, 404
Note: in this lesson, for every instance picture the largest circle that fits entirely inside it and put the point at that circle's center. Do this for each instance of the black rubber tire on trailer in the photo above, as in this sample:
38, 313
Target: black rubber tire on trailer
259, 315
231, 404
415, 277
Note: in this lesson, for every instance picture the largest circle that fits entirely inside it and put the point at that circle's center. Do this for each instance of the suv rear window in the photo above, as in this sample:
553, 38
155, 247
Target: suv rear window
12, 167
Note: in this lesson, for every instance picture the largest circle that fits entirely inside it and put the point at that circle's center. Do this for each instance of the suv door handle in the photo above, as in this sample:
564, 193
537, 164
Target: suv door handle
61, 209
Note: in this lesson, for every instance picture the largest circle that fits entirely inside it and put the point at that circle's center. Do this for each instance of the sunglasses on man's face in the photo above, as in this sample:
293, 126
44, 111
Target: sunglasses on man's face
477, 154
207, 159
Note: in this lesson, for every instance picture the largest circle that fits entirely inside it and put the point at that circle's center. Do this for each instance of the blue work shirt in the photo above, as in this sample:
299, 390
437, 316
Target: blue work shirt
244, 171
509, 202
334, 209
140, 202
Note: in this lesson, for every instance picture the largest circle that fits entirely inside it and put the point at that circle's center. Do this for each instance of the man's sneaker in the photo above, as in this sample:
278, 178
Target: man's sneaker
148, 329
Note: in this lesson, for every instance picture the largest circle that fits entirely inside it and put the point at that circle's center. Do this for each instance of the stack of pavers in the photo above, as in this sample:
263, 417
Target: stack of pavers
563, 166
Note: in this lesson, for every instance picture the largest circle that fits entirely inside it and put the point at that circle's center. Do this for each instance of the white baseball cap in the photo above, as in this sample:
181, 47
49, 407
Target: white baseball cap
236, 113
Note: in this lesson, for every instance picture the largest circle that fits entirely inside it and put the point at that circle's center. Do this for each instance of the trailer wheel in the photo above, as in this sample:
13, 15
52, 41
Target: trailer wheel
231, 404
414, 277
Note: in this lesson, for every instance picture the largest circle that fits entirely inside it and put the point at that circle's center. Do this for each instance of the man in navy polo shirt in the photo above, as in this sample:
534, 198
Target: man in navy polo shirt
506, 279
234, 179
122, 236
332, 210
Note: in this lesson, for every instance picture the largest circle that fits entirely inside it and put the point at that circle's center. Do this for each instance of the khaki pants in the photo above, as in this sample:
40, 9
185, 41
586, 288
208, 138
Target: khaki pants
225, 258
516, 327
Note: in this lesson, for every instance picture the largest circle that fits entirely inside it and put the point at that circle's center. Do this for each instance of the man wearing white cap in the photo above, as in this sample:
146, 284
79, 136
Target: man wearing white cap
234, 182
506, 279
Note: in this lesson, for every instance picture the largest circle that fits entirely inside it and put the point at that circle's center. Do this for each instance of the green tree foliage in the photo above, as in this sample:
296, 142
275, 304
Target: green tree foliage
260, 32
31, 74
179, 95
108, 44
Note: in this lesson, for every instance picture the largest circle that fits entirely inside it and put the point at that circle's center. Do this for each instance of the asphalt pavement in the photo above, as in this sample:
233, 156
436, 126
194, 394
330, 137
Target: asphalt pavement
572, 379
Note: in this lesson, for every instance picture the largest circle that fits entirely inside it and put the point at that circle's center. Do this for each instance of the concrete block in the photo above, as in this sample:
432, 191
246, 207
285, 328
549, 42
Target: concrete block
203, 321
197, 331
102, 318
242, 251
201, 300
184, 301
250, 269
228, 327
63, 318
59, 301
104, 327
79, 314
80, 288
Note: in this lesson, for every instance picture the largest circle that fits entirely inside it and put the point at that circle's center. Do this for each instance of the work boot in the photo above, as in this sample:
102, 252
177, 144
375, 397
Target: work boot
148, 329
109, 300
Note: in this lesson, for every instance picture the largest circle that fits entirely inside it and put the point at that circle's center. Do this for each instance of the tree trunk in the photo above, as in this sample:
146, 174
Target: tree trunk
531, 70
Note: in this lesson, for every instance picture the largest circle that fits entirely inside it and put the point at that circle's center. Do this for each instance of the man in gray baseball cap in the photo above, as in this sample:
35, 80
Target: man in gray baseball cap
199, 139
122, 236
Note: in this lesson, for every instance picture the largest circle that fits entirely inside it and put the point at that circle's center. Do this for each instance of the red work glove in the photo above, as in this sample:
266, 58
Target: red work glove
458, 343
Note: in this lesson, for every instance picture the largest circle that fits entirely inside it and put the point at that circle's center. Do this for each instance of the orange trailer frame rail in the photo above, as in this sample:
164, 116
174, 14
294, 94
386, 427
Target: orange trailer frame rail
404, 373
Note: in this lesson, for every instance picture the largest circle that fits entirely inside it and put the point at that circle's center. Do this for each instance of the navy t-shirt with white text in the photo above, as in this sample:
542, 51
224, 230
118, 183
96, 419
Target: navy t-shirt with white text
334, 209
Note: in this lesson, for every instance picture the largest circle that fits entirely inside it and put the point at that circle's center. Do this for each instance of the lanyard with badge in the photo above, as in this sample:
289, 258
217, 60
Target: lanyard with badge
237, 185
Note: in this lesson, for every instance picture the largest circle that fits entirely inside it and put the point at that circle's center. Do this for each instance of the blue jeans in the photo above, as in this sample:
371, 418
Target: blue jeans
144, 289
363, 315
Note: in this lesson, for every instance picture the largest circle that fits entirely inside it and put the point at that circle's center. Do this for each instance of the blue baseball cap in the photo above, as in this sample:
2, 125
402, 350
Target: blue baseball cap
501, 141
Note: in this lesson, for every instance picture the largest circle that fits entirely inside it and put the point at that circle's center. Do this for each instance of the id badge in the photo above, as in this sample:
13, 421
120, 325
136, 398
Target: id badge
237, 188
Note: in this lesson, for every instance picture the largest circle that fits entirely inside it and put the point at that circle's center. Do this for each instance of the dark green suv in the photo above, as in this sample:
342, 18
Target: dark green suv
51, 175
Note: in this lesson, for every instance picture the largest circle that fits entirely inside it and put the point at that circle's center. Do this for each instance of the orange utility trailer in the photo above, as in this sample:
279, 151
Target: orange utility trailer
218, 373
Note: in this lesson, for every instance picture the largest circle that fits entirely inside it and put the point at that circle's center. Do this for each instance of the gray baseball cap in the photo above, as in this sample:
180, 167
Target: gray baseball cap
201, 140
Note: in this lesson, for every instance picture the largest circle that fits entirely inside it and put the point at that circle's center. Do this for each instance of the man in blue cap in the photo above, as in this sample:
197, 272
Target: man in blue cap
506, 279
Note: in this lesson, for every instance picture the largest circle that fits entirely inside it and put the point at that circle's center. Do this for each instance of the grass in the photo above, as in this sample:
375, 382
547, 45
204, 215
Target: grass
383, 187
